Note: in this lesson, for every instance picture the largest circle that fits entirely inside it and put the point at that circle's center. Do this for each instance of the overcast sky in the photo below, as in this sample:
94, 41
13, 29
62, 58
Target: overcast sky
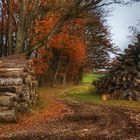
121, 19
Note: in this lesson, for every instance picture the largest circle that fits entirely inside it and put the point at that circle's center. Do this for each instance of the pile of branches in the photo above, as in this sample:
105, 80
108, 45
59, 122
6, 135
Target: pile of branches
123, 80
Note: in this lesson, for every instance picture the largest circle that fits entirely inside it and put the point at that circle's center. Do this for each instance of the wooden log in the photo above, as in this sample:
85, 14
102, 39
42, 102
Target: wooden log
124, 79
11, 81
105, 97
22, 106
28, 79
13, 89
138, 66
138, 56
34, 84
9, 64
138, 74
24, 97
13, 74
11, 94
8, 116
7, 100
11, 69
17, 86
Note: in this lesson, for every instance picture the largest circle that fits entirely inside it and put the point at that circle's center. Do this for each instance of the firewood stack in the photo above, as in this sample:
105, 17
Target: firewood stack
123, 80
17, 87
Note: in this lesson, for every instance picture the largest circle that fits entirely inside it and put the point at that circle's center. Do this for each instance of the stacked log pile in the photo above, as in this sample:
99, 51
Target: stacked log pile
17, 86
123, 80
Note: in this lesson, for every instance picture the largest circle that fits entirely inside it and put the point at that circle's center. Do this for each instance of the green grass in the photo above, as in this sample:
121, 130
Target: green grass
87, 97
89, 78
86, 94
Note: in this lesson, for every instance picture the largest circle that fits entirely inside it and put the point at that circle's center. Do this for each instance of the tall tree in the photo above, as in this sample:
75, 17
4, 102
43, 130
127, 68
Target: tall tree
27, 12
99, 43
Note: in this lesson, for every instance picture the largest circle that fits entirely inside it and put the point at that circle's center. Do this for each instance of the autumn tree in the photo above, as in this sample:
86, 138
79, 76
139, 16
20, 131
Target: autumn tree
99, 44
66, 47
47, 30
27, 11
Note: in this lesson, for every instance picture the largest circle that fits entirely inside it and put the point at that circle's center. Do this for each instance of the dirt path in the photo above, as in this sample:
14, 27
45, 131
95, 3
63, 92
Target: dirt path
68, 119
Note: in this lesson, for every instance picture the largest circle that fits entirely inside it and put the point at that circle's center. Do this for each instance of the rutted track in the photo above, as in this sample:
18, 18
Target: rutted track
83, 121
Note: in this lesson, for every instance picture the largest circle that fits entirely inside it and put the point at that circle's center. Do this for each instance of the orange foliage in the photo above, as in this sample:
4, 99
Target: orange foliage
41, 28
69, 38
40, 63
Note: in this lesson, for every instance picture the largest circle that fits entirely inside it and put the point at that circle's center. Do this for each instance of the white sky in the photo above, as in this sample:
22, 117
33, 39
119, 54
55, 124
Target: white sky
123, 17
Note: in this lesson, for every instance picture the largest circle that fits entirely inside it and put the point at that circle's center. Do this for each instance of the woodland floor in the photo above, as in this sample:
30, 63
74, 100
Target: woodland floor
61, 116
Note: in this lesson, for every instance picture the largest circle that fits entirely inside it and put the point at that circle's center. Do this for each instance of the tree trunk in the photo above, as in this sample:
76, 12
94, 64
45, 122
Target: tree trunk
1, 32
64, 82
20, 39
10, 27
56, 29
57, 69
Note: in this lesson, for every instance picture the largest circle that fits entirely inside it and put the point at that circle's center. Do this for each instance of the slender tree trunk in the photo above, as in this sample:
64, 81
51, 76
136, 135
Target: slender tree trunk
1, 39
6, 47
64, 82
57, 69
10, 27
2, 30
29, 23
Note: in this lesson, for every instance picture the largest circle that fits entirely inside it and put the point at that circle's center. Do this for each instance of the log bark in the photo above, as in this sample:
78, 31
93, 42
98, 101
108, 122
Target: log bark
11, 81
17, 87
8, 116
7, 101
